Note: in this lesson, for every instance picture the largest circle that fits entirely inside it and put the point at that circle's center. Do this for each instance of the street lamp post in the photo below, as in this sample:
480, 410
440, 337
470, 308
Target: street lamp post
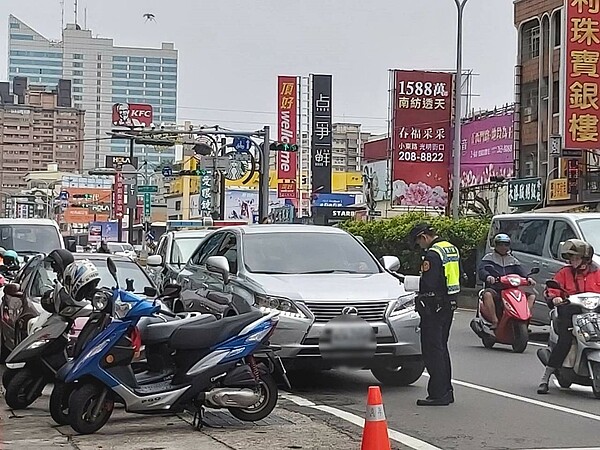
460, 6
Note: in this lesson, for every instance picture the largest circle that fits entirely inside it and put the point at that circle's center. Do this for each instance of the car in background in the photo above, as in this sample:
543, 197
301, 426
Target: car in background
173, 252
315, 277
29, 237
122, 249
21, 306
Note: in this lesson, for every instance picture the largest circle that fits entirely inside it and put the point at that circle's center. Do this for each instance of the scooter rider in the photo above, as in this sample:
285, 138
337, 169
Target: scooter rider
10, 261
581, 275
504, 263
59, 259
80, 280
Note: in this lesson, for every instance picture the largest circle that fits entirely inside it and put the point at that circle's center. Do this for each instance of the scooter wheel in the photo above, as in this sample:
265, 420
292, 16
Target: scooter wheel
82, 403
59, 402
24, 388
264, 406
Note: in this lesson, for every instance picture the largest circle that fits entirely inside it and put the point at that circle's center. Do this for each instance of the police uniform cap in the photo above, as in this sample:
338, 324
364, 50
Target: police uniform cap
418, 230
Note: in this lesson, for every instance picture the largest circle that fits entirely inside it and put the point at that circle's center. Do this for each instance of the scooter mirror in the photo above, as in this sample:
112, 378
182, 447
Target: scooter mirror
535, 270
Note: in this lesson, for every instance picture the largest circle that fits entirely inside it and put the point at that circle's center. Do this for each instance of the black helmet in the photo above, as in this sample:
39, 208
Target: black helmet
418, 230
59, 259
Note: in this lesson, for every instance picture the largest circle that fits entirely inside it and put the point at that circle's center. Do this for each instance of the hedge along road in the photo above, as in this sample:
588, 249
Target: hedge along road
496, 401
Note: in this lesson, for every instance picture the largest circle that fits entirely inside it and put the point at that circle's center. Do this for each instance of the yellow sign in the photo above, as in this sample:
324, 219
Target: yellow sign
559, 190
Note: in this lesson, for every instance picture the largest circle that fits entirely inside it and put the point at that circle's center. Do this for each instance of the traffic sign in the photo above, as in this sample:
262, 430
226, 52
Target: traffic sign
167, 171
147, 204
222, 163
242, 144
147, 189
64, 195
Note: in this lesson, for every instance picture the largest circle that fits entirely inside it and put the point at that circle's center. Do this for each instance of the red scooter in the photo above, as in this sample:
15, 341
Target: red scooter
513, 323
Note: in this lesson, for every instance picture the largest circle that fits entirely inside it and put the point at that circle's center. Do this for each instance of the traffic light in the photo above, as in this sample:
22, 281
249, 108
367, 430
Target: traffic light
82, 196
191, 173
283, 147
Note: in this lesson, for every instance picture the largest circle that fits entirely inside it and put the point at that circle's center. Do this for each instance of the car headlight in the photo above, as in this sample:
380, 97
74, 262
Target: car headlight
590, 302
403, 304
284, 306
121, 309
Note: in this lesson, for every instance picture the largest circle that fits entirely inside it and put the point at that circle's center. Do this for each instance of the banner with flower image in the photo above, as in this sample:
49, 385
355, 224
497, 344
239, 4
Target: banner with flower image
487, 149
421, 140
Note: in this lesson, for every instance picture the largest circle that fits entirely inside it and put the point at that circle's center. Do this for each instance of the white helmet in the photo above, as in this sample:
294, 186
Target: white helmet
80, 279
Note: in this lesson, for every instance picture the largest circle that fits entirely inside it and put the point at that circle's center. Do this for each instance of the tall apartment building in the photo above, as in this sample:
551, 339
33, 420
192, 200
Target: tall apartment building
347, 150
36, 125
102, 74
537, 83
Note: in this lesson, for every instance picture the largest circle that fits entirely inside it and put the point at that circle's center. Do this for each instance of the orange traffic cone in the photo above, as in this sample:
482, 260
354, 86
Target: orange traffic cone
375, 432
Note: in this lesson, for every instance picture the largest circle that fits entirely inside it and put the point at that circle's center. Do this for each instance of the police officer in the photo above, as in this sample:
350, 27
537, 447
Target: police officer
436, 302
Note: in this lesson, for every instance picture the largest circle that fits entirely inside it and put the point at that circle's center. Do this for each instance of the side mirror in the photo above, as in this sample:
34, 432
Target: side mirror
391, 263
360, 239
535, 270
149, 291
171, 290
220, 265
13, 289
112, 267
550, 284
154, 261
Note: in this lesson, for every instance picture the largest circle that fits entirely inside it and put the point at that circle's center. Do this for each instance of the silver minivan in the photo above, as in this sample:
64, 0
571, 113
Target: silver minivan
536, 239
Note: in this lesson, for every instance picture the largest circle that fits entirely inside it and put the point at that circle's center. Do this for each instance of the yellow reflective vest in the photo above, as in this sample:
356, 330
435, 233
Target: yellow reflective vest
451, 261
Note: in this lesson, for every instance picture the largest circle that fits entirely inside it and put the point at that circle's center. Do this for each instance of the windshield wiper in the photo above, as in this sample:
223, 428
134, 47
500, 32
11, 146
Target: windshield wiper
316, 272
270, 272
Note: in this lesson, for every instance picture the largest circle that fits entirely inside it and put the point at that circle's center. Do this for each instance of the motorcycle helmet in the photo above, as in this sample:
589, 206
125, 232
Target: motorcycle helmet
502, 238
576, 247
2, 251
59, 259
11, 258
80, 279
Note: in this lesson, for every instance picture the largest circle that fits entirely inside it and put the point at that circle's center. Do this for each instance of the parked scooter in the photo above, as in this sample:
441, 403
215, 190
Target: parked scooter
582, 364
513, 323
215, 365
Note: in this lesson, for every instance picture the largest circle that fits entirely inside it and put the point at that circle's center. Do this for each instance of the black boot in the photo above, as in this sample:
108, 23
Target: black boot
542, 388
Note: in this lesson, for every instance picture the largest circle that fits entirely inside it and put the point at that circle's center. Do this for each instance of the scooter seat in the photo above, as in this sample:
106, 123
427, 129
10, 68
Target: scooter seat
203, 336
154, 330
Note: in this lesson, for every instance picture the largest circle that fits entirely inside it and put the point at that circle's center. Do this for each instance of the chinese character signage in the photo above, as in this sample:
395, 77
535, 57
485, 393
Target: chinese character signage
131, 115
525, 191
582, 74
205, 201
287, 128
85, 205
421, 141
118, 196
321, 133
487, 149
559, 190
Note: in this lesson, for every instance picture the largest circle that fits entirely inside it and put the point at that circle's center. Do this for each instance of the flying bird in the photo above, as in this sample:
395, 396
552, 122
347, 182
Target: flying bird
150, 17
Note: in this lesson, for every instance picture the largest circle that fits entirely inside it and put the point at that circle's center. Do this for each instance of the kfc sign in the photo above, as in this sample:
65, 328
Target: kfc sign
131, 115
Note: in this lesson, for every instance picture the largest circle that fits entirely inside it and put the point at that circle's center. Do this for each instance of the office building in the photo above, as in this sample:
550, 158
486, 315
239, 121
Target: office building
38, 126
101, 74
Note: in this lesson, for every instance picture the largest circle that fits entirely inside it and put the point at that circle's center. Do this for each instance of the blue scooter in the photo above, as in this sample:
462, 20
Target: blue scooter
214, 361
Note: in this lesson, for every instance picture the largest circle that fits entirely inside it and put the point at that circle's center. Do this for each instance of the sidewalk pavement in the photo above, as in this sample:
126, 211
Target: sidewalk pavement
33, 428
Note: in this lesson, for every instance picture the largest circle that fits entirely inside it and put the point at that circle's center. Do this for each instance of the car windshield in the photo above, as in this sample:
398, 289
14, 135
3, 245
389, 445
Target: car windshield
306, 253
125, 270
30, 238
182, 249
589, 228
114, 247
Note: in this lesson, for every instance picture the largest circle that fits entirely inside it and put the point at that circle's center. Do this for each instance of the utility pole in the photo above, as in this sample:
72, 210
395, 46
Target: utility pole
263, 183
132, 191
460, 6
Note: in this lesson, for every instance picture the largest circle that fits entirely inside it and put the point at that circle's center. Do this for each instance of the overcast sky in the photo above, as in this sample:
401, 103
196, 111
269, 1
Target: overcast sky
231, 51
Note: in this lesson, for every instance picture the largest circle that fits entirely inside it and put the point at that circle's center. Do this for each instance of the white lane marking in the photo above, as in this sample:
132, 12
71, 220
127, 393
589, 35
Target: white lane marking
574, 412
405, 439
538, 344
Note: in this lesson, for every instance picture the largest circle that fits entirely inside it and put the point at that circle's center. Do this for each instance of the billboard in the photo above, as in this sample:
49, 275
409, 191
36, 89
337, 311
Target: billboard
421, 139
103, 231
487, 149
378, 172
118, 196
287, 129
85, 205
242, 204
321, 133
118, 161
131, 115
582, 107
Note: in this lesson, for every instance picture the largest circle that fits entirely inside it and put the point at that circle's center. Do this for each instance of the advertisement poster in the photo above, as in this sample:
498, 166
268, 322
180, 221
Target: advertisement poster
321, 133
85, 205
487, 149
287, 128
131, 115
582, 107
421, 140
242, 204
378, 173
103, 231
335, 200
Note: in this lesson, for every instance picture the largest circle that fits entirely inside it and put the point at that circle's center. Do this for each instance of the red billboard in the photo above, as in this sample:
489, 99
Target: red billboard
421, 140
287, 128
582, 56
118, 196
87, 205
131, 115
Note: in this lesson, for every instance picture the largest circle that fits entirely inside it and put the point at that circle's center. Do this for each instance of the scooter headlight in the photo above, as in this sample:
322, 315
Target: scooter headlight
591, 302
121, 309
38, 344
514, 281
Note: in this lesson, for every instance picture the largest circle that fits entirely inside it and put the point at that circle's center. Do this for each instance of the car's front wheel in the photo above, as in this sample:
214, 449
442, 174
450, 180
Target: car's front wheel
400, 373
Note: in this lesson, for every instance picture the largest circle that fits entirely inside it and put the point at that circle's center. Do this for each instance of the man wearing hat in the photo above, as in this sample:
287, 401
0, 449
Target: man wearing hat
436, 302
